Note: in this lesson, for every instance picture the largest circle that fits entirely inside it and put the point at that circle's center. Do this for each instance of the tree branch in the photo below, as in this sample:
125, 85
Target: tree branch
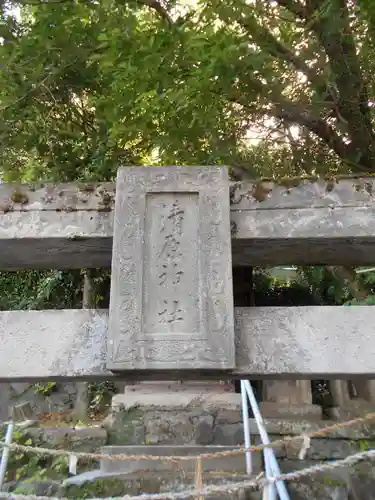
294, 7
158, 8
270, 44
332, 28
292, 113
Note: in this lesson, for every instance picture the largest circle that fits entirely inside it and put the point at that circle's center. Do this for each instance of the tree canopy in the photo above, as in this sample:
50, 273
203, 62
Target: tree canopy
272, 87
269, 87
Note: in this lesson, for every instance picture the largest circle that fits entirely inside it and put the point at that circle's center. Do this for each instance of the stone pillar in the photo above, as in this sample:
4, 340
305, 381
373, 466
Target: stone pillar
347, 406
365, 389
171, 301
288, 399
340, 393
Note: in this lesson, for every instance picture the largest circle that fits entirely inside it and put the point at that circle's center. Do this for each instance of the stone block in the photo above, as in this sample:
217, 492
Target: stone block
37, 487
71, 344
229, 434
86, 439
71, 225
99, 484
125, 427
279, 451
228, 417
203, 429
159, 401
171, 429
233, 463
289, 427
326, 449
302, 412
171, 303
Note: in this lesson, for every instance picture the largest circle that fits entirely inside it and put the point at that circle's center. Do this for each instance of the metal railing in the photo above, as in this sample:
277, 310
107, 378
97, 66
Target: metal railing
272, 490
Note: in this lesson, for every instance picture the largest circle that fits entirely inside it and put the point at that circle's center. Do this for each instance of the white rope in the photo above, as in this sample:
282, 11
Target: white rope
205, 456
222, 488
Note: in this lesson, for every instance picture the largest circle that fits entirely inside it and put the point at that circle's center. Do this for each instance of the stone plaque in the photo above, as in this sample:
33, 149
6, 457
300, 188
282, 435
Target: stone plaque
171, 292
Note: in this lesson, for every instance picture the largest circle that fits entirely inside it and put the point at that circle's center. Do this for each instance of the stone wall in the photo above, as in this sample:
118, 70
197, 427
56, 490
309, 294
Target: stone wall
217, 420
60, 399
211, 422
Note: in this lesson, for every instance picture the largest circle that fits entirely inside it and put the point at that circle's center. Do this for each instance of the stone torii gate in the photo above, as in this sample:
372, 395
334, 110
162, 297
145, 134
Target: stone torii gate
171, 236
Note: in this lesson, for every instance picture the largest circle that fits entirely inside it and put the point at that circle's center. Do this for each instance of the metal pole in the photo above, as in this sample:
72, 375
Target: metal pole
5, 454
269, 490
246, 428
280, 485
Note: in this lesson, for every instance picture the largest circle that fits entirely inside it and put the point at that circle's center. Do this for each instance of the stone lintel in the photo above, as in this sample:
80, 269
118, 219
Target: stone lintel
71, 225
311, 342
173, 386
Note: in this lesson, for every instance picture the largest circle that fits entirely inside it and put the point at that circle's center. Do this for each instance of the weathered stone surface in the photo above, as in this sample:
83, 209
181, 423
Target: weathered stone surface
276, 410
171, 283
289, 427
302, 339
233, 463
229, 434
295, 343
325, 449
52, 344
351, 483
36, 487
229, 416
177, 427
85, 439
71, 225
203, 429
172, 429
101, 485
125, 427
182, 401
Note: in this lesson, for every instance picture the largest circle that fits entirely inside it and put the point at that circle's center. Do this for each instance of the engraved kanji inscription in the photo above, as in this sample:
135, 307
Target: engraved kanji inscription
169, 258
170, 279
171, 312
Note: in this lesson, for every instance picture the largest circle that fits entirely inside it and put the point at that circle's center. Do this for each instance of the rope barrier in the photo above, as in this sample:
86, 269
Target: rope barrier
200, 491
204, 456
222, 488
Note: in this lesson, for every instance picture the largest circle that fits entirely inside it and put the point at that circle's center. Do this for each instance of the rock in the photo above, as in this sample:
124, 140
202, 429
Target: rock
136, 484
37, 487
203, 429
229, 434
125, 427
228, 417
326, 449
172, 429
99, 488
85, 439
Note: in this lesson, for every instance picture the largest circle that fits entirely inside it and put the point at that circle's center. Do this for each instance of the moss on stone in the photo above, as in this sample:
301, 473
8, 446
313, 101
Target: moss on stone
332, 481
100, 488
126, 427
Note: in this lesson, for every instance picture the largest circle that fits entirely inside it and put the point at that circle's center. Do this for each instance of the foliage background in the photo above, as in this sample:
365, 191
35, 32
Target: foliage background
270, 88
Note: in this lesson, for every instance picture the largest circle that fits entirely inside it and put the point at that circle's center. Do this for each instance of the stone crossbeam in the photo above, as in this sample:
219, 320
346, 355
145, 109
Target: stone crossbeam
290, 222
287, 342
